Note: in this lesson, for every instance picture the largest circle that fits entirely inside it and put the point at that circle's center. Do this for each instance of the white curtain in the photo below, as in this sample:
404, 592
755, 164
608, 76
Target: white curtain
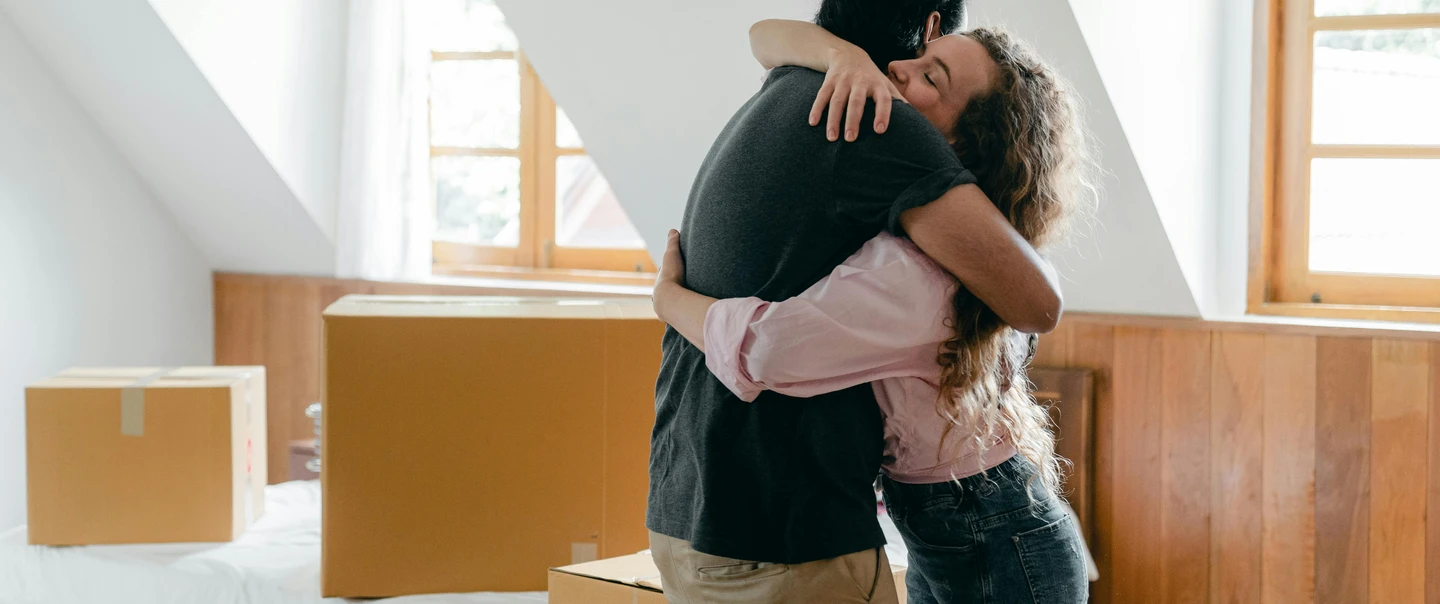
384, 218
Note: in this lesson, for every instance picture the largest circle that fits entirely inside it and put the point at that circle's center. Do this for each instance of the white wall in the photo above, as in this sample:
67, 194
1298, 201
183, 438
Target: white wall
137, 82
650, 82
280, 67
1161, 64
1239, 82
94, 270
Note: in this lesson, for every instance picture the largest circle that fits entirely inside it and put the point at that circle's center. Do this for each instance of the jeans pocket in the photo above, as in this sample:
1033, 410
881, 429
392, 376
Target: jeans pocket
740, 570
1053, 564
941, 527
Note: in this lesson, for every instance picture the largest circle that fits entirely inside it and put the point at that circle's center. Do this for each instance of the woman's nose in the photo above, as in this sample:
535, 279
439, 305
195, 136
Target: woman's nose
896, 74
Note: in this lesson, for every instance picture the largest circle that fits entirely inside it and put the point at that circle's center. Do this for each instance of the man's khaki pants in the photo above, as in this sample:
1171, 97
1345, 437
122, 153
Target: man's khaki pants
690, 577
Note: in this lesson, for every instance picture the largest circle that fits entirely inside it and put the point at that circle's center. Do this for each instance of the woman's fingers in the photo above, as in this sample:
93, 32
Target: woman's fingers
672, 265
882, 110
844, 99
672, 248
821, 100
837, 111
854, 113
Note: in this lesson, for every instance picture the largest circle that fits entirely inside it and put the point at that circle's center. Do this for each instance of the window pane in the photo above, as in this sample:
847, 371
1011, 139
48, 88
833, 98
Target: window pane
1377, 87
475, 104
477, 200
1330, 8
588, 215
565, 135
1375, 216
463, 25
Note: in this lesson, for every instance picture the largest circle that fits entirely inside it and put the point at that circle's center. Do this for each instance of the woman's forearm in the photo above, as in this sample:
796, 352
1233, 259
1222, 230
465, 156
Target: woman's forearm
683, 310
777, 42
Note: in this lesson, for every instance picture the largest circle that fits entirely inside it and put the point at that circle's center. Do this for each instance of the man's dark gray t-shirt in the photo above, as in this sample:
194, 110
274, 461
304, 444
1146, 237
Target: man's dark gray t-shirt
775, 208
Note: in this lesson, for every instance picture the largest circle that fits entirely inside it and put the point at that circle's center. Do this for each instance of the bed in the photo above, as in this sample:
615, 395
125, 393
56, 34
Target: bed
276, 562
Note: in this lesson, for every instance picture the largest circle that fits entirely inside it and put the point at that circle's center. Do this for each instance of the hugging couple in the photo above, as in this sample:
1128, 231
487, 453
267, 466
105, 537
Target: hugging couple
853, 296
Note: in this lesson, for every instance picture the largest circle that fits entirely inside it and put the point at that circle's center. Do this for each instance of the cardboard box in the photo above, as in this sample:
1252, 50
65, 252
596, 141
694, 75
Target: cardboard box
470, 444
629, 579
145, 455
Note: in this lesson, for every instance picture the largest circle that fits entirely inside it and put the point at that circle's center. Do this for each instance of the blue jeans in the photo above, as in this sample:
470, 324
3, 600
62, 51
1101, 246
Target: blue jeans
981, 540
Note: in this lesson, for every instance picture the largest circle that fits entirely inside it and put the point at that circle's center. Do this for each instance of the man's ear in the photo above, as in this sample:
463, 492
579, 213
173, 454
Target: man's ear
932, 26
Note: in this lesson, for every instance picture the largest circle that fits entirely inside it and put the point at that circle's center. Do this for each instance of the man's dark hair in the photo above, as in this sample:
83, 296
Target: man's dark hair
888, 30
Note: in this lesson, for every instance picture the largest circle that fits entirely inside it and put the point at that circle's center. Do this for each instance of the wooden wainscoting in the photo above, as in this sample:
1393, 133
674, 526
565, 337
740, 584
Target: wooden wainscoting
1244, 462
1233, 462
275, 321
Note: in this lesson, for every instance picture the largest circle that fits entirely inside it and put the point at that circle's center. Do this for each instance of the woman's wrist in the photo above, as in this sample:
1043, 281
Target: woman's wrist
843, 53
661, 299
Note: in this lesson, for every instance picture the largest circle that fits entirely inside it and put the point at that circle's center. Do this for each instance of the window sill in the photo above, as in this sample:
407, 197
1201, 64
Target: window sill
557, 280
1387, 314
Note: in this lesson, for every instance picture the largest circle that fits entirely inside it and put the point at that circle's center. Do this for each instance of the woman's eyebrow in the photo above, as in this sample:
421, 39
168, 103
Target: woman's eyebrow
945, 68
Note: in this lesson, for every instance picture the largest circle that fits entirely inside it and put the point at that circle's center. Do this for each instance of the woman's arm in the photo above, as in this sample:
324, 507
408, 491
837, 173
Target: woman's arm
677, 306
850, 76
879, 315
776, 42
963, 232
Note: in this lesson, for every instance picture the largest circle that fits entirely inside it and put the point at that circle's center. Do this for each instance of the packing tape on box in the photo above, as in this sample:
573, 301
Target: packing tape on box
132, 409
132, 403
132, 397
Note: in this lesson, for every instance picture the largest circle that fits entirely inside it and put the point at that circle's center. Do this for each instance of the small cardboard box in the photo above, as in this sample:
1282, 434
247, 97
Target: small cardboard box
471, 443
145, 455
629, 579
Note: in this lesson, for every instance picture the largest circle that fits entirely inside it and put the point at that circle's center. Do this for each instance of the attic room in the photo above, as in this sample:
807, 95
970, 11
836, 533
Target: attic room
525, 301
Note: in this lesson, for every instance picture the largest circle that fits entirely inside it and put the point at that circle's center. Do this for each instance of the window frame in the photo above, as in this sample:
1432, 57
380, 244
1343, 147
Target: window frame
537, 254
1281, 281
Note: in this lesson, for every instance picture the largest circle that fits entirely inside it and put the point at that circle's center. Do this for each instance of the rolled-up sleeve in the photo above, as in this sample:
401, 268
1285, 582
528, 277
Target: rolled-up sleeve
726, 324
882, 314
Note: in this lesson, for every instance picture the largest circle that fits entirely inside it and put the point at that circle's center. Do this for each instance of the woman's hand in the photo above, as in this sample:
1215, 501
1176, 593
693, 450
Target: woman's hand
678, 307
850, 78
672, 266
671, 274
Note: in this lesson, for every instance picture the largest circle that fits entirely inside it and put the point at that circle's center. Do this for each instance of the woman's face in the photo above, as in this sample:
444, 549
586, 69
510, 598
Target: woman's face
950, 72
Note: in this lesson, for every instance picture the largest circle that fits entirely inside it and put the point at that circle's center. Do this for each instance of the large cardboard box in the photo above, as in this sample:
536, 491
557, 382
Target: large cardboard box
145, 454
629, 579
470, 444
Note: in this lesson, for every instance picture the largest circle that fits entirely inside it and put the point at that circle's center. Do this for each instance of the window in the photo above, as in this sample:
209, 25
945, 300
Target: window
1352, 186
514, 191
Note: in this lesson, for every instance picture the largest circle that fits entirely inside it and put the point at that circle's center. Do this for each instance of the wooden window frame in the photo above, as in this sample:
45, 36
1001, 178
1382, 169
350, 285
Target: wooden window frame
537, 256
1281, 282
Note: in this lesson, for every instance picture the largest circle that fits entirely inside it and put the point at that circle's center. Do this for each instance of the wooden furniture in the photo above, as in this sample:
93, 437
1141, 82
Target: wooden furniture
1070, 393
301, 451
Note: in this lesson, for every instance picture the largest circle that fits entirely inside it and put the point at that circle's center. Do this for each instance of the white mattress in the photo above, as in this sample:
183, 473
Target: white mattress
276, 562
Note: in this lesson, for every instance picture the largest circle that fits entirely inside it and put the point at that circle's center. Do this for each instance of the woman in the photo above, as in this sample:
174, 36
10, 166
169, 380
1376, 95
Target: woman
971, 473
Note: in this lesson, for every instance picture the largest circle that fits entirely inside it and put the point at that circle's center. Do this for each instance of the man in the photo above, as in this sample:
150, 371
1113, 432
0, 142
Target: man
888, 30
773, 501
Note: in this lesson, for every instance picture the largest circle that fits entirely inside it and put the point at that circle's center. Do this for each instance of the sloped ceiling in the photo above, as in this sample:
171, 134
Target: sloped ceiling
649, 83
136, 81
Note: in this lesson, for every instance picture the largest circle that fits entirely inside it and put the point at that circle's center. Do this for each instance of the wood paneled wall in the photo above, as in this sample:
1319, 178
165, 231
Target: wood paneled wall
275, 321
1240, 462
1234, 462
